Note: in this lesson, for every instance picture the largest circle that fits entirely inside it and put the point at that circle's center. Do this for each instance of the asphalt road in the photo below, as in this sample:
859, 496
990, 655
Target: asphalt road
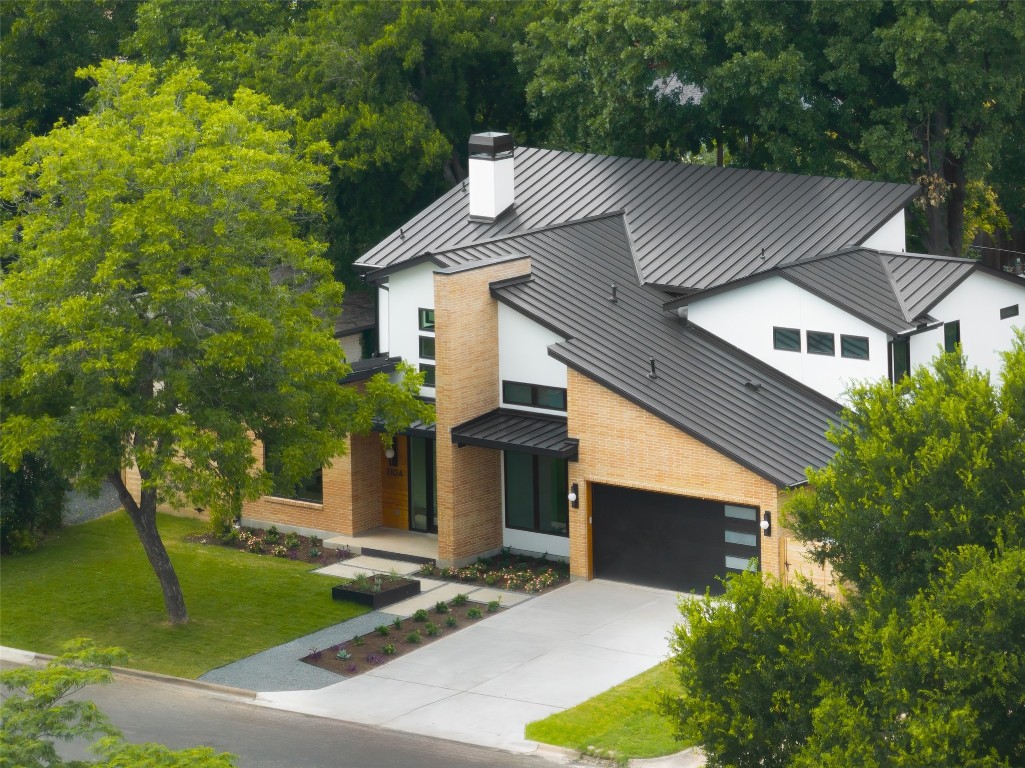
180, 717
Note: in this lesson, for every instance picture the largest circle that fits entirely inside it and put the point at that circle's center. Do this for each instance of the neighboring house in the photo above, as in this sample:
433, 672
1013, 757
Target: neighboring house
630, 359
356, 325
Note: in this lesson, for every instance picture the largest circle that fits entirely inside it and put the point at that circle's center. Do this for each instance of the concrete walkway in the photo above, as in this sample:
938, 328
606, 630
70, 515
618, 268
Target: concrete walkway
483, 684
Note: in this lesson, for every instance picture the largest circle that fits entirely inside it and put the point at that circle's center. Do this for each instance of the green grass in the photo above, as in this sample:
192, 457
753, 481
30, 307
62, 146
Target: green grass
93, 580
624, 720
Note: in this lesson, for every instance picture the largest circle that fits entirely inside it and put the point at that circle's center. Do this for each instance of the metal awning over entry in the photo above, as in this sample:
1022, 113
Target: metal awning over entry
518, 431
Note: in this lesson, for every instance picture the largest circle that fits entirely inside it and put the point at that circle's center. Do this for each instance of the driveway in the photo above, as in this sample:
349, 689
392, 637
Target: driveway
483, 684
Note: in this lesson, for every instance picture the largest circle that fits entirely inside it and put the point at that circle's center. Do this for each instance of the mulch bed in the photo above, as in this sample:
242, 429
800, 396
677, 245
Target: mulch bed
289, 546
519, 573
373, 653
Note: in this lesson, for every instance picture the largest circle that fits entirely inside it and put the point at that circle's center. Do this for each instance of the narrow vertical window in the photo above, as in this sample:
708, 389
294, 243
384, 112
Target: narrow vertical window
951, 335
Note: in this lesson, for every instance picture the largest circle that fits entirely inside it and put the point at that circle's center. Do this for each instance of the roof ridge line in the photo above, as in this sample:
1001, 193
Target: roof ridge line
896, 288
545, 228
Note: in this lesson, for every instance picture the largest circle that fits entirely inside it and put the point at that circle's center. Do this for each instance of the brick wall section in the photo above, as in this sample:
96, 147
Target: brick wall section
468, 479
622, 444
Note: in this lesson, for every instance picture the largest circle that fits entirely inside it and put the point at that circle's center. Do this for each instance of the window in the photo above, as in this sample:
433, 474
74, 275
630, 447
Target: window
536, 395
535, 493
1011, 311
900, 359
820, 343
427, 347
951, 335
854, 347
428, 371
426, 319
787, 339
310, 488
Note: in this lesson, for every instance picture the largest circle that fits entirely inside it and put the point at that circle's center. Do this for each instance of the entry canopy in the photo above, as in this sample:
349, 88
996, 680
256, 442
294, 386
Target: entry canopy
518, 431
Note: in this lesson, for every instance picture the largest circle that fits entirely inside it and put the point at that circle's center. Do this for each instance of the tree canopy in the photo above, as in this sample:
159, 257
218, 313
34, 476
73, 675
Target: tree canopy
922, 663
167, 301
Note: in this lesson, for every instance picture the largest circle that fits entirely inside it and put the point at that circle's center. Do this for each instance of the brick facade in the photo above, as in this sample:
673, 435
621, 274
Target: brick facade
622, 444
466, 354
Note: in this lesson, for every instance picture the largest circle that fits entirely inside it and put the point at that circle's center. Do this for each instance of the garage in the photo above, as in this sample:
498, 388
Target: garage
670, 542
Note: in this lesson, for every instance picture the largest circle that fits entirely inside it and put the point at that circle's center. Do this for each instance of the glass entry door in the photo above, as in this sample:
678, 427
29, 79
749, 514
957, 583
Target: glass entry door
422, 491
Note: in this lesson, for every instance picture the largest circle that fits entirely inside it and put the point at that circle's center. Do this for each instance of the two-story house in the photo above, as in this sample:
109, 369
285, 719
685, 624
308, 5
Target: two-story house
630, 359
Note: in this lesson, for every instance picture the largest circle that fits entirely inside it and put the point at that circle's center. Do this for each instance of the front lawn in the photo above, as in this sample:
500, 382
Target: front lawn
624, 720
93, 580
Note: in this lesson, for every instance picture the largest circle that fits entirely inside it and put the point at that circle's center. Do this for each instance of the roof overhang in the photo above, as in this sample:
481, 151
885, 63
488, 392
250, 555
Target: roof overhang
364, 369
511, 430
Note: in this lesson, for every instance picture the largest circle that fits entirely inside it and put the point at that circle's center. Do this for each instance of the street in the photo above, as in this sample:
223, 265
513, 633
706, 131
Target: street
180, 717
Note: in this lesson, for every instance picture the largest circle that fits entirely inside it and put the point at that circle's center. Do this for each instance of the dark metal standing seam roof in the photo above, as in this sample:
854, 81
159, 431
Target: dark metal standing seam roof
364, 369
517, 430
891, 291
692, 226
725, 398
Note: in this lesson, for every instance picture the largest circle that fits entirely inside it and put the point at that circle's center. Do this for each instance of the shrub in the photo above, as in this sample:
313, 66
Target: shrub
494, 605
382, 630
414, 637
292, 541
229, 535
460, 599
474, 613
255, 545
359, 642
420, 615
397, 623
388, 649
431, 629
450, 621
272, 535
315, 542
314, 552
343, 655
279, 551
441, 607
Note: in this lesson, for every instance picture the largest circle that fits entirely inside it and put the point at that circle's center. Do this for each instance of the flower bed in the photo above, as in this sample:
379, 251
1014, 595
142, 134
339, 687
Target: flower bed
520, 573
272, 542
377, 590
402, 636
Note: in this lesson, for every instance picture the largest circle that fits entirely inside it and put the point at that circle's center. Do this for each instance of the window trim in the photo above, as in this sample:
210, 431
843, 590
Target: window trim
534, 395
832, 340
1008, 311
775, 342
843, 353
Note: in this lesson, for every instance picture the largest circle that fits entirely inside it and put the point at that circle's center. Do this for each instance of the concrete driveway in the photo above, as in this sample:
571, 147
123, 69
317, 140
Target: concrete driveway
483, 684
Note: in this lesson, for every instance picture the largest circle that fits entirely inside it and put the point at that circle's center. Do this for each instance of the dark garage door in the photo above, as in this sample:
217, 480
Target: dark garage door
672, 542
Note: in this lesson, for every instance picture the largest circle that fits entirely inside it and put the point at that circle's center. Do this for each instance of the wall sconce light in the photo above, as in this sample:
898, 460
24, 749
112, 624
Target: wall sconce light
389, 452
574, 496
766, 524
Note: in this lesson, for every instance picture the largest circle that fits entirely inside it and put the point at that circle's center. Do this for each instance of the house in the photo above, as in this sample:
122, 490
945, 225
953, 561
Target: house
631, 359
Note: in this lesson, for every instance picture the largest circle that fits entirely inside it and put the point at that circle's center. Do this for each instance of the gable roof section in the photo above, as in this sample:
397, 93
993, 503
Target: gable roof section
723, 397
693, 226
892, 291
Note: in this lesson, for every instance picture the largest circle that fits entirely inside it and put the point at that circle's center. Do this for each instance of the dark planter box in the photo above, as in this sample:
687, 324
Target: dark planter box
402, 590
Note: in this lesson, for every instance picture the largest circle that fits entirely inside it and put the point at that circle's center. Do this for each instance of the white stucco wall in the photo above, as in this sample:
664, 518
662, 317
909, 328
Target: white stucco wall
523, 354
382, 319
540, 543
746, 316
976, 303
492, 186
409, 289
889, 237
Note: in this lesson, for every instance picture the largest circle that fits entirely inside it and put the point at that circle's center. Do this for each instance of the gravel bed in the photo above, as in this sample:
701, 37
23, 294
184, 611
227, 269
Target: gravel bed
279, 668
80, 507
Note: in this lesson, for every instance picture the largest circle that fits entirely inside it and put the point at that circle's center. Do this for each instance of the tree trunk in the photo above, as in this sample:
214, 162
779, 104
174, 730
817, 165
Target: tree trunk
144, 518
954, 173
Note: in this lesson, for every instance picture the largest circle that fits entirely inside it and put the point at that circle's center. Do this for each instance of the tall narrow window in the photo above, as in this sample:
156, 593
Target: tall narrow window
900, 359
428, 372
951, 335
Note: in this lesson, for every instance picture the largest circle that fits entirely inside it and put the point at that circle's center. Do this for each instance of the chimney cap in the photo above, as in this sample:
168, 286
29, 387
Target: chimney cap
491, 143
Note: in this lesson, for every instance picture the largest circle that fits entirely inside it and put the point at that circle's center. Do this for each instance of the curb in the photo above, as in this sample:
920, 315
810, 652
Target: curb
19, 656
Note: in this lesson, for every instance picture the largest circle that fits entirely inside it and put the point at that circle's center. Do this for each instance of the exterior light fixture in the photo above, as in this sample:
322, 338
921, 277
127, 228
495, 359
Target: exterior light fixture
766, 524
573, 496
389, 452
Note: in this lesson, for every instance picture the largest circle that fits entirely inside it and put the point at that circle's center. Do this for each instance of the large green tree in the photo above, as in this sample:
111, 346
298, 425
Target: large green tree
923, 466
927, 92
42, 43
168, 302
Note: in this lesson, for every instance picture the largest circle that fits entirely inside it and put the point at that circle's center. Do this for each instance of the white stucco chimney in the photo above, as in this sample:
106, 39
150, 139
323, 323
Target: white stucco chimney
492, 176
